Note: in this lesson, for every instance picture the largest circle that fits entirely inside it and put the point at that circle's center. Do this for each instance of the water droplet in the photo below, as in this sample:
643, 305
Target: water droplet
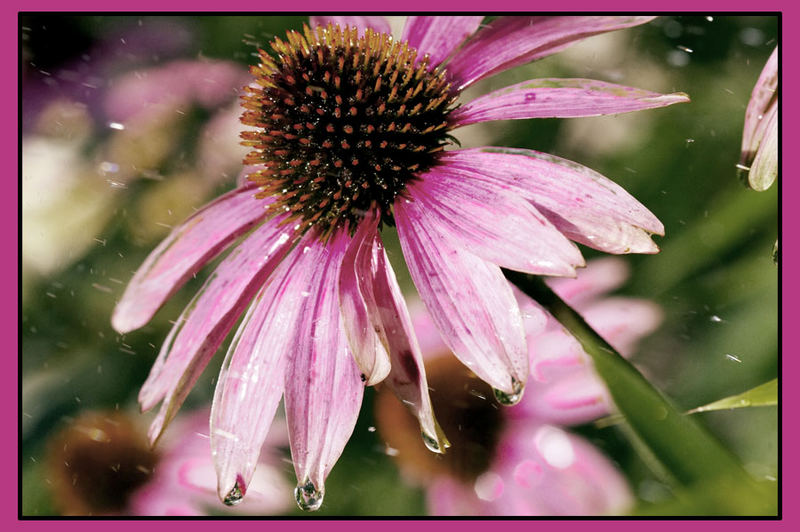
234, 496
432, 443
513, 398
308, 497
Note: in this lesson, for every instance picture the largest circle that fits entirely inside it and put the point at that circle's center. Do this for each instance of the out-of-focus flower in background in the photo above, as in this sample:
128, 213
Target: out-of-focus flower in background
520, 460
102, 464
99, 126
759, 159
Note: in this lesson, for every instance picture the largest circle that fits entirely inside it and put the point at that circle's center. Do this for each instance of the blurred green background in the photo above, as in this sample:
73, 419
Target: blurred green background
87, 227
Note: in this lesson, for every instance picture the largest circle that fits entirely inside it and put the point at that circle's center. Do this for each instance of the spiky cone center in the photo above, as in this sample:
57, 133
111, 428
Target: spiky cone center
342, 124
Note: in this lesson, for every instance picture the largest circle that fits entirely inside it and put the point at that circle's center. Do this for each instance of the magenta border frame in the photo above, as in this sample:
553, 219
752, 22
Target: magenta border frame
9, 269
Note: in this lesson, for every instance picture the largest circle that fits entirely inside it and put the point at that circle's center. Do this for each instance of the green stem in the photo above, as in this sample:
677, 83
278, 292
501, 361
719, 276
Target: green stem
686, 450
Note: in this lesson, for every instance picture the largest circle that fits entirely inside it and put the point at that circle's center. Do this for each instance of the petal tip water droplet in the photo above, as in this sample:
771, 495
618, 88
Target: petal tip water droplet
235, 495
510, 399
308, 497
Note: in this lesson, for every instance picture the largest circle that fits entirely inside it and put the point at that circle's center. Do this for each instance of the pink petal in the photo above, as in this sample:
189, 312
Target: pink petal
357, 300
379, 24
600, 276
576, 396
511, 41
584, 205
764, 93
407, 377
547, 471
468, 298
251, 380
492, 223
623, 321
560, 98
764, 169
438, 36
206, 321
323, 388
187, 249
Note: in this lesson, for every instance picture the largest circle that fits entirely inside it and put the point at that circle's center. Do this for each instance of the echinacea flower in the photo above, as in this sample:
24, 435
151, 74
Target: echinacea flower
349, 130
759, 157
101, 464
521, 460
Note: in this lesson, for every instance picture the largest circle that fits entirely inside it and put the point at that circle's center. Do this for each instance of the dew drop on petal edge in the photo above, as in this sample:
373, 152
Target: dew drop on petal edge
234, 496
511, 399
432, 444
308, 497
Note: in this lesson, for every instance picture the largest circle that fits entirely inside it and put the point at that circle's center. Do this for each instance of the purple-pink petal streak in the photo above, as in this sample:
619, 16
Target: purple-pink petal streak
438, 36
209, 317
323, 385
468, 298
490, 221
560, 98
187, 249
511, 41
584, 205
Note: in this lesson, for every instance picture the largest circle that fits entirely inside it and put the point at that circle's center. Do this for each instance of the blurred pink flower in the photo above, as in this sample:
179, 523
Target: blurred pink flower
348, 132
518, 460
760, 136
101, 464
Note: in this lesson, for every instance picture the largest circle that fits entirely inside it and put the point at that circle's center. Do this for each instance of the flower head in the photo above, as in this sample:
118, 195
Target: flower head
349, 133
759, 159
520, 460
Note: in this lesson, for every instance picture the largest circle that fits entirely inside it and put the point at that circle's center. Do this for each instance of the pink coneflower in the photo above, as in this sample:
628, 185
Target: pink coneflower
349, 130
520, 460
760, 136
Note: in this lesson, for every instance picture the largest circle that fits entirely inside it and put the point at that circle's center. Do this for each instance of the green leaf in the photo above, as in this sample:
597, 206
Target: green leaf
763, 395
688, 453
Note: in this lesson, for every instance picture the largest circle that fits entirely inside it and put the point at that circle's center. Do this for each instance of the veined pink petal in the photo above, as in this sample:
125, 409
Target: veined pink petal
357, 299
468, 298
251, 379
511, 41
560, 98
764, 93
323, 386
187, 248
584, 205
764, 169
492, 223
379, 24
212, 313
438, 36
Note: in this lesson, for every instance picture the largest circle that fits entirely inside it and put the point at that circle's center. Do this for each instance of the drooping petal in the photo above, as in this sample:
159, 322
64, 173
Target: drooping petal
379, 24
560, 98
323, 385
251, 379
765, 93
438, 36
492, 223
511, 41
764, 169
622, 321
355, 296
209, 317
187, 248
584, 205
468, 298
